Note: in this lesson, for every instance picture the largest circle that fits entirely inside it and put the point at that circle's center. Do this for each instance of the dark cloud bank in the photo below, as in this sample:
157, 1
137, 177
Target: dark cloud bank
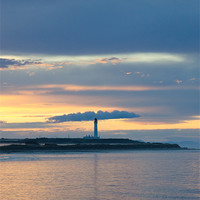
88, 116
95, 27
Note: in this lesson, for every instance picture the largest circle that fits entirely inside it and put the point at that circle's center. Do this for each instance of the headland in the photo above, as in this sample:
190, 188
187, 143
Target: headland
79, 144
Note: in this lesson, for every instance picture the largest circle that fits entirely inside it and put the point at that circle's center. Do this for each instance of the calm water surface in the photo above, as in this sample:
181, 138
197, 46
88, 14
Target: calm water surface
137, 175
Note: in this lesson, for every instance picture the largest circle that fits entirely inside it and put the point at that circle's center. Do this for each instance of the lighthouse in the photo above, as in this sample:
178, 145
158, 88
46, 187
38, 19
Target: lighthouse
95, 129
95, 132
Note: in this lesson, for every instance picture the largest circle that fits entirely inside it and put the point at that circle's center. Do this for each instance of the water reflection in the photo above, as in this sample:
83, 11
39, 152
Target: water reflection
96, 176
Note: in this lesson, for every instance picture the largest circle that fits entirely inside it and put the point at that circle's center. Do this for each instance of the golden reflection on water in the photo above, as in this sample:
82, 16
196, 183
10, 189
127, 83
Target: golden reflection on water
97, 176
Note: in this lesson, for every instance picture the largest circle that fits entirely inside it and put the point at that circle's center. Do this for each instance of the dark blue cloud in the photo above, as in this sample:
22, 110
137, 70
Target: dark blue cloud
5, 63
88, 116
106, 26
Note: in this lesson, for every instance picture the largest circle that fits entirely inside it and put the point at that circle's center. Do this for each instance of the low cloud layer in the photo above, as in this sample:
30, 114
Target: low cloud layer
88, 116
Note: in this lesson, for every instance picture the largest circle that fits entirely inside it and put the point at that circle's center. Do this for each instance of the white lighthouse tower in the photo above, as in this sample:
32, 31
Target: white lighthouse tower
95, 129
95, 132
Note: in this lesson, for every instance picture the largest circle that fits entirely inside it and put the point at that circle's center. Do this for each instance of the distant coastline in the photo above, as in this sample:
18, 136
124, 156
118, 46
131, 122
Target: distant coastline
79, 144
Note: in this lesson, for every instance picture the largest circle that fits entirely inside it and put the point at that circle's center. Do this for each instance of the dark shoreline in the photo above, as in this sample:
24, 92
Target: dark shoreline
79, 144
27, 148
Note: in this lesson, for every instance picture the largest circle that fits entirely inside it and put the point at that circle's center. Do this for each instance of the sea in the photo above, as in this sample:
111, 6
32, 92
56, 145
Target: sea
101, 175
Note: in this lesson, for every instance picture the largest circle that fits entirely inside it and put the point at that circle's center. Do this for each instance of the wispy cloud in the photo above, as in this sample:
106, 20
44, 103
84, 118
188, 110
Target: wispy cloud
88, 116
178, 81
5, 63
69, 89
112, 60
75, 88
57, 62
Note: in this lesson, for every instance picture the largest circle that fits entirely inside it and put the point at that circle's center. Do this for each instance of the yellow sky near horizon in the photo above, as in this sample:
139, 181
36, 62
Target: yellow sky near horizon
33, 108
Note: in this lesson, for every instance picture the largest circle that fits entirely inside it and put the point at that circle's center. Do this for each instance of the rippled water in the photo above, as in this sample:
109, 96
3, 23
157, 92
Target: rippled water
137, 175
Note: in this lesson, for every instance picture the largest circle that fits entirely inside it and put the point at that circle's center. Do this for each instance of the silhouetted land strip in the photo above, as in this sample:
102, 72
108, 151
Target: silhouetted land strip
79, 144
67, 140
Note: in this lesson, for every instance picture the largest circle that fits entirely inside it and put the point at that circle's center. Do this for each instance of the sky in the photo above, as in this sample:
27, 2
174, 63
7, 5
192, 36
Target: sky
133, 64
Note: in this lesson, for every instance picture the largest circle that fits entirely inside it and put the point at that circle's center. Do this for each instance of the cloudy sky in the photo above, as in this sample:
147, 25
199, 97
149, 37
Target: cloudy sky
134, 64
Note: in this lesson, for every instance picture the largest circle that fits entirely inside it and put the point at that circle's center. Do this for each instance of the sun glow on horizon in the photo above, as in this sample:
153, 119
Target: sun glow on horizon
31, 108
